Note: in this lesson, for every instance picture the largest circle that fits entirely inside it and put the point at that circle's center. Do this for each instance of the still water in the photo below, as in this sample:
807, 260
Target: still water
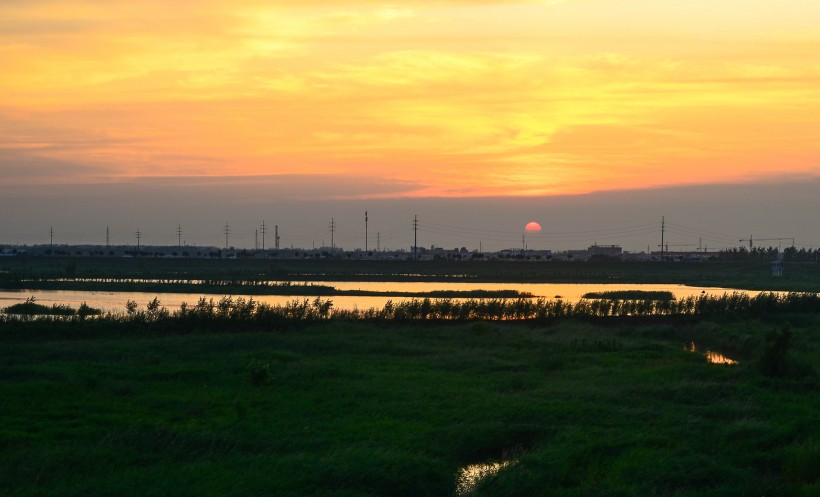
115, 301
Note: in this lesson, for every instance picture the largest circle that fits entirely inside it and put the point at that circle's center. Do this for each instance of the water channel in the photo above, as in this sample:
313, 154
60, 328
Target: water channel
115, 301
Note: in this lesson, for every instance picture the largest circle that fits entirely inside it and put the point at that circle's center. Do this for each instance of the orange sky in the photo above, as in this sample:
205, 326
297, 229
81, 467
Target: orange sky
446, 97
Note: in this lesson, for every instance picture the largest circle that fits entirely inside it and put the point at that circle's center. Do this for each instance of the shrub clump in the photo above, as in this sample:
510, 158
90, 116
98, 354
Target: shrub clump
31, 308
259, 373
776, 361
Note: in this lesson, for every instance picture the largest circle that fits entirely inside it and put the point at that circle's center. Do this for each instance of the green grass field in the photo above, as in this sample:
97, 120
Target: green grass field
354, 409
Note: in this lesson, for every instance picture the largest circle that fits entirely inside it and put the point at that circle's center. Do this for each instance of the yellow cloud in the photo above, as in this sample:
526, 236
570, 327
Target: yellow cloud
462, 97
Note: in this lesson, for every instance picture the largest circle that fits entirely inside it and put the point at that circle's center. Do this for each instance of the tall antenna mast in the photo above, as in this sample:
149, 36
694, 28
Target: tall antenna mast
179, 236
378, 241
107, 244
365, 231
263, 236
276, 235
227, 232
139, 235
51, 237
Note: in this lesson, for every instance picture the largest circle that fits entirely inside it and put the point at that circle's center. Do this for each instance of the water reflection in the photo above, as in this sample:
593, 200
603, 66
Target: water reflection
469, 476
712, 357
718, 358
115, 301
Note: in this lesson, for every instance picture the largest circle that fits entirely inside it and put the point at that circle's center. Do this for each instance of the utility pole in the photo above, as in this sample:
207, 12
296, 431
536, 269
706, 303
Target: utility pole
332, 228
256, 239
227, 232
51, 237
276, 235
415, 237
179, 236
365, 231
263, 236
663, 231
107, 239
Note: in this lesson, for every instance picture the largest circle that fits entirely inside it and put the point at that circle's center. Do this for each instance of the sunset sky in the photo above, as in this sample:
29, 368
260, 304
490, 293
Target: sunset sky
383, 104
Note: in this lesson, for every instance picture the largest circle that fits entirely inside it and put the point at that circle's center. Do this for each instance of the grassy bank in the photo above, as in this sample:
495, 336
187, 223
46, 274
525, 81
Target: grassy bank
743, 275
356, 409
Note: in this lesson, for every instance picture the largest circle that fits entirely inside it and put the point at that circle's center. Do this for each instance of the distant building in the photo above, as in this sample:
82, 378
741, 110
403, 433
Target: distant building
610, 250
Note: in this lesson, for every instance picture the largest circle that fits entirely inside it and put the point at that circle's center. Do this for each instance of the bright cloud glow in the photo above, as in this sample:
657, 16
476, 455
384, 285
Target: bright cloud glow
458, 98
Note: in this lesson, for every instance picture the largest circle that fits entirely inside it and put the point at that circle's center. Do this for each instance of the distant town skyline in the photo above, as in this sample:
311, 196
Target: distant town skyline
479, 116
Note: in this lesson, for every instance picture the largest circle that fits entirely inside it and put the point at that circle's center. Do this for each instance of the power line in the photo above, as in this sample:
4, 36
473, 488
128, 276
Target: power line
480, 234
515, 234
609, 234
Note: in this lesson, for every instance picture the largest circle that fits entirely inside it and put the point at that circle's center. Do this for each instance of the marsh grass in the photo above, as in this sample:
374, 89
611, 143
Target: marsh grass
232, 312
365, 409
631, 295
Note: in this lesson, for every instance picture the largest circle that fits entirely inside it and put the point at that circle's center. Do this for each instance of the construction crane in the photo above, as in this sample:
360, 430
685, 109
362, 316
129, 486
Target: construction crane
751, 240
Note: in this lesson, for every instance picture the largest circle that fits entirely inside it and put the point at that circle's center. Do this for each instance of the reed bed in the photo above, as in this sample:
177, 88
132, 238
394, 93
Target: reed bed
240, 310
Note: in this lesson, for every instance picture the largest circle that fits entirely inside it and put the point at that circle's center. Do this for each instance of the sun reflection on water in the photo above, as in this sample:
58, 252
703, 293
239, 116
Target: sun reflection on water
712, 357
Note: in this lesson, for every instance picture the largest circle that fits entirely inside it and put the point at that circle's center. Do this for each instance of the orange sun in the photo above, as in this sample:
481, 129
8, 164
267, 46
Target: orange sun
532, 227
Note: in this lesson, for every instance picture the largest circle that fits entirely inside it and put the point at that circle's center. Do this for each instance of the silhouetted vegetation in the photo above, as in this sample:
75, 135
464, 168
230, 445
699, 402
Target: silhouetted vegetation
630, 295
239, 311
245, 287
31, 308
769, 254
777, 362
